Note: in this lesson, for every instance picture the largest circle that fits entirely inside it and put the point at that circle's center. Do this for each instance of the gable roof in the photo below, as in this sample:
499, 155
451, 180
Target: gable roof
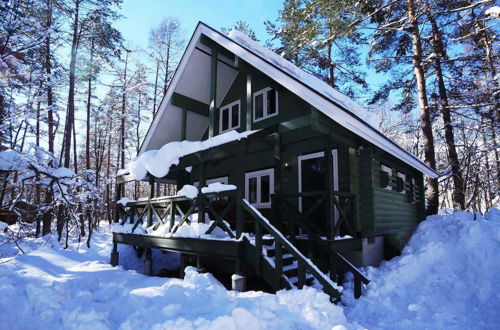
320, 95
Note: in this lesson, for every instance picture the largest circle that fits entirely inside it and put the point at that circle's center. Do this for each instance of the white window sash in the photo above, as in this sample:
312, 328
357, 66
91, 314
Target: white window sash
258, 175
387, 170
265, 113
229, 108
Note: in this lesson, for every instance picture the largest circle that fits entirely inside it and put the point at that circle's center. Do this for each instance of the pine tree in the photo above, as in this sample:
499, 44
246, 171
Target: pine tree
320, 36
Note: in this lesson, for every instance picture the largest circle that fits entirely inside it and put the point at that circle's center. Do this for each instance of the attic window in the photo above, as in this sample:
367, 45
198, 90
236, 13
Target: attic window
385, 177
400, 186
229, 117
265, 104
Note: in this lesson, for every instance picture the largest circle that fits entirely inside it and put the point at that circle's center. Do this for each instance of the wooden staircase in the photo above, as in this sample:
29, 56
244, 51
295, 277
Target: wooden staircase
282, 265
290, 265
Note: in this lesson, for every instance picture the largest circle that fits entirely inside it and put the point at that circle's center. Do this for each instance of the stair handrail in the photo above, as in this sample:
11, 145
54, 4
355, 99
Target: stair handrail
328, 285
359, 277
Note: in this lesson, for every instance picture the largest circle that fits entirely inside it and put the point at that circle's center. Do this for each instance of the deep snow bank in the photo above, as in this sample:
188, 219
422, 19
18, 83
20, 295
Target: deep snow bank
52, 288
446, 278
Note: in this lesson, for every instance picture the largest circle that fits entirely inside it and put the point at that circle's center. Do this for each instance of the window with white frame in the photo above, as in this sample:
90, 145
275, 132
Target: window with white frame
229, 117
385, 177
265, 104
259, 186
400, 182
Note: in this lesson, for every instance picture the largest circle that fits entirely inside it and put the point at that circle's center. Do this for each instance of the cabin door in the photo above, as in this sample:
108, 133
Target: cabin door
312, 177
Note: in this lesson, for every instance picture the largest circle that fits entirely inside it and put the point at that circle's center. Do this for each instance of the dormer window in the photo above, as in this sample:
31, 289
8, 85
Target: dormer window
230, 117
265, 104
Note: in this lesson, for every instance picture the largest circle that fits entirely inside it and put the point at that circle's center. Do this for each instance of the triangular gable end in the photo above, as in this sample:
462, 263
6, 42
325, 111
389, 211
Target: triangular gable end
330, 102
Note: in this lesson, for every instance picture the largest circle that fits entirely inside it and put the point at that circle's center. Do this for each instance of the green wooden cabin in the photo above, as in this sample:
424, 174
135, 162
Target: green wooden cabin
316, 184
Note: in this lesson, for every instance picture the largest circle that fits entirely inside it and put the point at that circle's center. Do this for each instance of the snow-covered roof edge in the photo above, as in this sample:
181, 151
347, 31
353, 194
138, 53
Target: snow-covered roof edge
337, 111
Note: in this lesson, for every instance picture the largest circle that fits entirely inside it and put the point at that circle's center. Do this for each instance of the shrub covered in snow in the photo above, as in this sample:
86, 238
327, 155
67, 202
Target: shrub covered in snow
39, 191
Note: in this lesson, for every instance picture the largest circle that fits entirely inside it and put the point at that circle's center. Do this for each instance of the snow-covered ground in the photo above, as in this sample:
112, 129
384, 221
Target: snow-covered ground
446, 278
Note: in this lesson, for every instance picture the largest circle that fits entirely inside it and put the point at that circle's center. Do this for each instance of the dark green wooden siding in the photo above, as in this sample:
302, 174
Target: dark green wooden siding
392, 210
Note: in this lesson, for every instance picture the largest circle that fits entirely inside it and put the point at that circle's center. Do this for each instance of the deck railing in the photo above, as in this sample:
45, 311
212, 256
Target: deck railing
166, 210
339, 209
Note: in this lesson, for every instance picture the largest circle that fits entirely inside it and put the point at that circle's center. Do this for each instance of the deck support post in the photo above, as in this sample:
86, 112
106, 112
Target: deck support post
199, 265
329, 189
238, 283
148, 263
114, 255
182, 265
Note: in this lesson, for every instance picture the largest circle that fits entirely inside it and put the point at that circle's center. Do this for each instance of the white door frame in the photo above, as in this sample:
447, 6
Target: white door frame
335, 173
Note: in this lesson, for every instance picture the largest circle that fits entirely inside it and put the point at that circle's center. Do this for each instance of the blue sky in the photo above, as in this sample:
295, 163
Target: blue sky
142, 15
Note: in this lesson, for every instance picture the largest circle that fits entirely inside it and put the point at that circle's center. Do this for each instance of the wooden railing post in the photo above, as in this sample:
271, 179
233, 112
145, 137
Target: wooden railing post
301, 275
258, 245
118, 196
330, 218
357, 287
172, 216
278, 260
200, 200
239, 213
151, 195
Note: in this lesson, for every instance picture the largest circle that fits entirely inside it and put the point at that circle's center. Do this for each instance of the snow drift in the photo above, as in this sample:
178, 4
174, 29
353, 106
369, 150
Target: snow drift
446, 278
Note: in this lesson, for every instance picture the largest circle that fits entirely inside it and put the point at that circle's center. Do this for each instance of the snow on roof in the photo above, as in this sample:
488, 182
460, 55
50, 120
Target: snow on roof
158, 162
308, 79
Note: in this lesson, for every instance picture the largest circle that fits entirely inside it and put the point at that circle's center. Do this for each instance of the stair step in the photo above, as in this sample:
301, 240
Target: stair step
267, 242
291, 272
295, 280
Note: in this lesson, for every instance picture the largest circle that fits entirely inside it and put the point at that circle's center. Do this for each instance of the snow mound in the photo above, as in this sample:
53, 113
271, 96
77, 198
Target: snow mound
308, 79
158, 162
53, 288
446, 278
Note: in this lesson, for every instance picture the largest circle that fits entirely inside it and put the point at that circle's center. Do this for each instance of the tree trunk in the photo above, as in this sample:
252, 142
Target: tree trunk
167, 67
124, 99
425, 119
70, 113
458, 181
156, 88
48, 71
89, 99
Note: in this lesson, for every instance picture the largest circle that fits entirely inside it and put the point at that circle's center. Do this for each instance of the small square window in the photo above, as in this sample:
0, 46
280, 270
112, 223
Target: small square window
400, 182
230, 117
265, 104
385, 177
